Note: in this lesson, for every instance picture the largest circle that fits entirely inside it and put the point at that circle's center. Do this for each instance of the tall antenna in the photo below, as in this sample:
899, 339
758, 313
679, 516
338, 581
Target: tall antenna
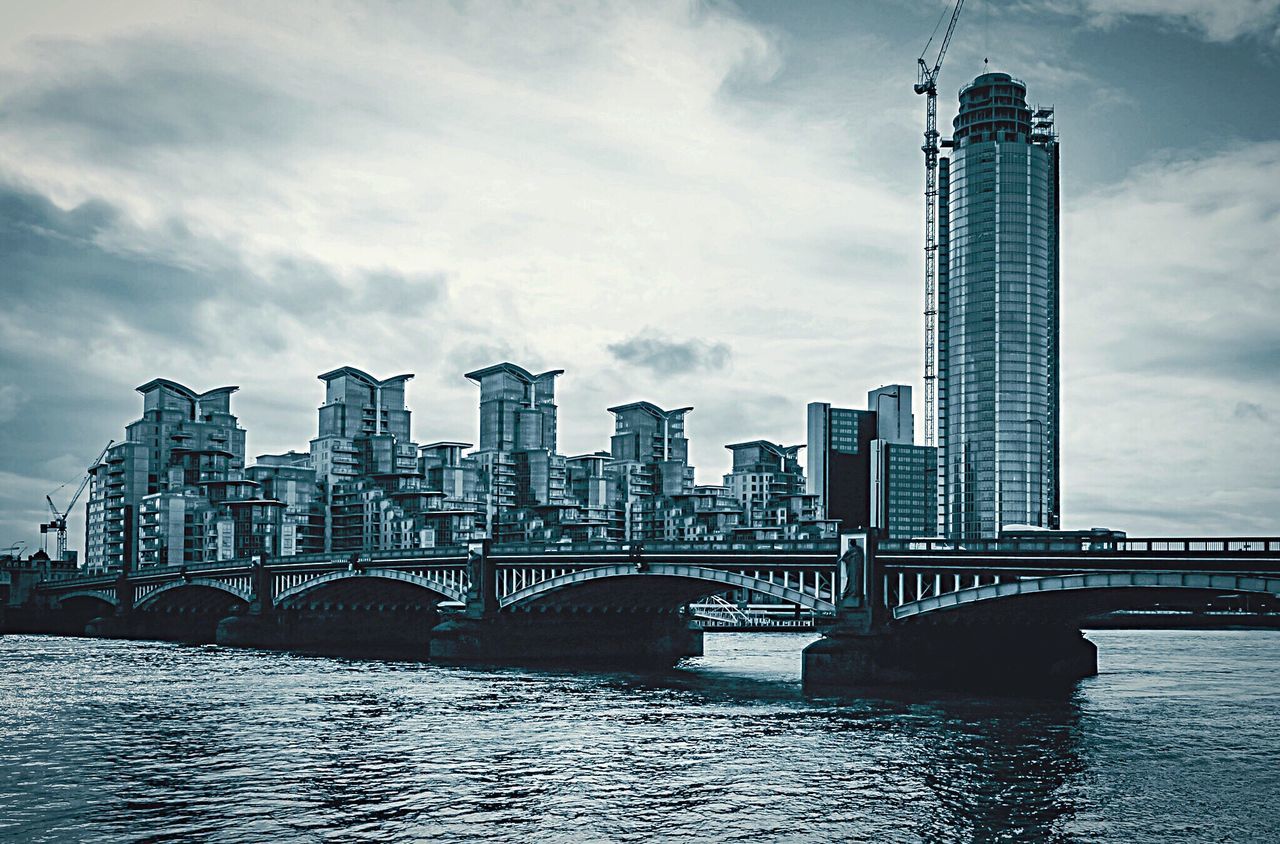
927, 84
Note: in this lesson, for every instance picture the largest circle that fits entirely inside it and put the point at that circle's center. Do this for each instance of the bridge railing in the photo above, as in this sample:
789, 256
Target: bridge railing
1194, 545
792, 546
1102, 545
452, 552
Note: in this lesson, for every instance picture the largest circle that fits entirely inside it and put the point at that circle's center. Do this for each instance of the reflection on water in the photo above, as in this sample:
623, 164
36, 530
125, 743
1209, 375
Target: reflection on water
125, 741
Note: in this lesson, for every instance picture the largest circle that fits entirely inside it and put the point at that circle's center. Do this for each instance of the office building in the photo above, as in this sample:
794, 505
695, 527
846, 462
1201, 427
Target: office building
763, 472
290, 479
767, 485
895, 420
904, 489
998, 324
839, 463
519, 468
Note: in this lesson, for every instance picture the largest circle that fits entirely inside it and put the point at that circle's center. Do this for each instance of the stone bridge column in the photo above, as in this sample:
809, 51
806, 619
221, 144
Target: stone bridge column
258, 628
469, 636
867, 648
482, 594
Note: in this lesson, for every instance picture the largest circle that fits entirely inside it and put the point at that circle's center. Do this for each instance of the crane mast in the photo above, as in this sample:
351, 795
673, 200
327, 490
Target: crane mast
927, 84
58, 523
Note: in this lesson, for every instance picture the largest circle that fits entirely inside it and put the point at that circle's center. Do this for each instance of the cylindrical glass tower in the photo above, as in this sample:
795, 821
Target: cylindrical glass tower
998, 314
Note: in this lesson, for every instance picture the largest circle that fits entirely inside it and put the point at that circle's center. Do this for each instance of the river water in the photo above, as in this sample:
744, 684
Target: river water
1178, 739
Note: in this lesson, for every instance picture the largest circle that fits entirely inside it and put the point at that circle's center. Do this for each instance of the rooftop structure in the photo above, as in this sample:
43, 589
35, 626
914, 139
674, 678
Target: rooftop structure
517, 408
646, 433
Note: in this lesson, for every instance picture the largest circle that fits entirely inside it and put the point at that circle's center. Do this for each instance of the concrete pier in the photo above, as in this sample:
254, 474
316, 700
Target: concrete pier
402, 633
631, 639
951, 656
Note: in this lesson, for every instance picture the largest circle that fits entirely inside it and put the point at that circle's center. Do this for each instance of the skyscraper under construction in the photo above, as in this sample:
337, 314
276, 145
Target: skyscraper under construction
997, 341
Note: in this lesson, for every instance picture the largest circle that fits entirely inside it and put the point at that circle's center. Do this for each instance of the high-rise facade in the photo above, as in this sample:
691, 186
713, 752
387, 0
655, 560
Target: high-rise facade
184, 439
364, 427
520, 469
839, 458
895, 421
904, 489
764, 473
650, 463
997, 399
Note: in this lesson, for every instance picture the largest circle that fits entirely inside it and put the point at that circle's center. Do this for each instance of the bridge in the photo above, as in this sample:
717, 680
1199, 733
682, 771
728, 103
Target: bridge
591, 601
900, 611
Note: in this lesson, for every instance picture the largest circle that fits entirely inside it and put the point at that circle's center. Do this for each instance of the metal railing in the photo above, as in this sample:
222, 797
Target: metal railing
1087, 545
550, 550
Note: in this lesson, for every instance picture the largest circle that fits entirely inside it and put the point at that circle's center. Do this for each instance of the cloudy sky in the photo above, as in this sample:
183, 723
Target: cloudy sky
705, 204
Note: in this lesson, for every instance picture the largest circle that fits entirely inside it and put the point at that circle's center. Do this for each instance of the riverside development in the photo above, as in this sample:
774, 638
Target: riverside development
922, 562
179, 489
551, 675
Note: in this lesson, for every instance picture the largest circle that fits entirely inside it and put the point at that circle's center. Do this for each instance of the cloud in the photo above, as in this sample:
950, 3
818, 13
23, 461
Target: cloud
252, 194
671, 357
11, 399
1153, 255
393, 293
90, 265
97, 304
1215, 20
1168, 325
1249, 410
149, 94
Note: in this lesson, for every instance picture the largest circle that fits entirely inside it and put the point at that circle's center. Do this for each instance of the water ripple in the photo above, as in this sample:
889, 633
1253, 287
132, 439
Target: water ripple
135, 741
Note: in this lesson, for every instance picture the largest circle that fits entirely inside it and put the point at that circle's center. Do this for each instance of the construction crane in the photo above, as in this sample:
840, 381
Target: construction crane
58, 523
927, 84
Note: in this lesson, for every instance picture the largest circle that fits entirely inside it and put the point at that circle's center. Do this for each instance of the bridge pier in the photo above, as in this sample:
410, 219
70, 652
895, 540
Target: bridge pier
367, 631
630, 639
1004, 657
41, 619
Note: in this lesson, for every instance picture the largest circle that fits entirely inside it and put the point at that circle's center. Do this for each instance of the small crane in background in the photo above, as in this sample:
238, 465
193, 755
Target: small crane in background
58, 523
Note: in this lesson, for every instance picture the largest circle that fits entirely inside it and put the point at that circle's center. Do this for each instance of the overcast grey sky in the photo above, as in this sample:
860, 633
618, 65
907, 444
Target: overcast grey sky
697, 204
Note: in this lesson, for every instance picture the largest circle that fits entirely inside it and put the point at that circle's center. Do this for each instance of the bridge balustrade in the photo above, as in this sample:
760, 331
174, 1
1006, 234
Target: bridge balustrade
1086, 545
651, 548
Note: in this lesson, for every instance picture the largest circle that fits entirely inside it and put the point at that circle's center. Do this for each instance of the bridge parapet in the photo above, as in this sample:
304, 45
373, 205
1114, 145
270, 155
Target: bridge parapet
1092, 545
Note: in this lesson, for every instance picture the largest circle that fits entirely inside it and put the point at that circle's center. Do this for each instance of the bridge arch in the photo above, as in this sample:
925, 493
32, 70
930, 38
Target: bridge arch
439, 590
680, 583
153, 597
108, 598
1118, 583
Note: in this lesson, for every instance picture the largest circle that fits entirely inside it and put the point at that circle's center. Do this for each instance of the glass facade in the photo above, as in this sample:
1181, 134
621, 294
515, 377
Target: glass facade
998, 315
904, 489
839, 458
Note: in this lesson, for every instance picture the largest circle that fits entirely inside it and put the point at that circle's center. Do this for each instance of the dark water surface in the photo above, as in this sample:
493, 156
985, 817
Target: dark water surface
1178, 739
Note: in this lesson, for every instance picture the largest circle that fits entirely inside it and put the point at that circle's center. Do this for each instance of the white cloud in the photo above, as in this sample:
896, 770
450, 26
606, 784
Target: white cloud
1170, 298
575, 172
1216, 20
553, 179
